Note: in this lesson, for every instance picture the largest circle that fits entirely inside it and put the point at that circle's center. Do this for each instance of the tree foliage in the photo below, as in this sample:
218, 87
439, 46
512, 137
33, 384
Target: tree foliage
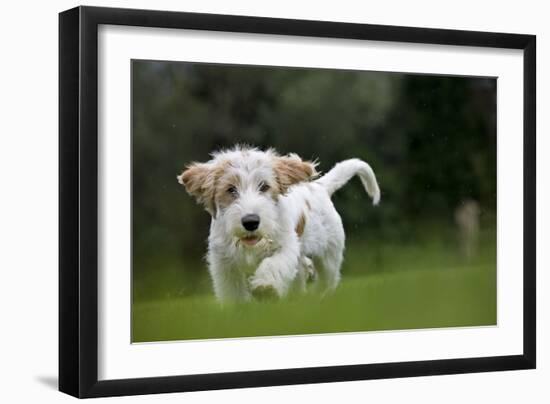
430, 139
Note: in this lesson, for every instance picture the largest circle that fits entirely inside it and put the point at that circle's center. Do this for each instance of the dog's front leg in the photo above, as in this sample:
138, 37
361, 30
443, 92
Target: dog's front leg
229, 283
276, 273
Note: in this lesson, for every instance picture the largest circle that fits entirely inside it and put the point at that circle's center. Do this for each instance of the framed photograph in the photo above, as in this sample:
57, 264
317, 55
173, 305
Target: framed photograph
252, 201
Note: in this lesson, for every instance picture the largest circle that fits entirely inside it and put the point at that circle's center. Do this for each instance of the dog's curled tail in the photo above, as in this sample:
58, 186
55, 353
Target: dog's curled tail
342, 172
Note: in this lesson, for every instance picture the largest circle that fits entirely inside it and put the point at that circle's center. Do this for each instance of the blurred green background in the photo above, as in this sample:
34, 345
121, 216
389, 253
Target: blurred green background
430, 139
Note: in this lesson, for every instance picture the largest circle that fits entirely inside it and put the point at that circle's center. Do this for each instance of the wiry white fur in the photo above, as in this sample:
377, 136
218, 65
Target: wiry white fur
282, 259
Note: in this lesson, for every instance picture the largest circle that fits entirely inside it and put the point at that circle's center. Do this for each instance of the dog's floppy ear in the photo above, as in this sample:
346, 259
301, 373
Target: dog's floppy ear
291, 170
199, 181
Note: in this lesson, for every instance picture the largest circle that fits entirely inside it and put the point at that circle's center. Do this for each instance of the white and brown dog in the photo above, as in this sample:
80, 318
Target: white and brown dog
273, 222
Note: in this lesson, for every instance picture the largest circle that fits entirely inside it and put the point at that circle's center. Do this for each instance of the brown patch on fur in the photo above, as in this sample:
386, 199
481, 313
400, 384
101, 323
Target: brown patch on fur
222, 197
290, 170
275, 191
300, 226
199, 180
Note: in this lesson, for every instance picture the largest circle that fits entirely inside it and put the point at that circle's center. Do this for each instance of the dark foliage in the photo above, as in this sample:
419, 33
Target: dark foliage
430, 139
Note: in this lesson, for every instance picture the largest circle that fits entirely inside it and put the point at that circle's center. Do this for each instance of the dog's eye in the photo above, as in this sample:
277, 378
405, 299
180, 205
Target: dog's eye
264, 187
232, 190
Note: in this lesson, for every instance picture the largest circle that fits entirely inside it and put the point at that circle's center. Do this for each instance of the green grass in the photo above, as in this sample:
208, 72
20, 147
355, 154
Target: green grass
418, 285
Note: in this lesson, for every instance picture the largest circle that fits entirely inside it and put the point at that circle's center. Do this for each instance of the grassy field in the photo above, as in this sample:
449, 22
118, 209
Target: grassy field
384, 287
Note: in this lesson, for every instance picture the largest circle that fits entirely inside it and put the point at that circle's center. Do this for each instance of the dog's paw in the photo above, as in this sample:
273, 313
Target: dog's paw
262, 289
265, 293
309, 269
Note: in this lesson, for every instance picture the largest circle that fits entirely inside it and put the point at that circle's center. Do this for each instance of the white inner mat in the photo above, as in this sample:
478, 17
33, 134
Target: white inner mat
118, 358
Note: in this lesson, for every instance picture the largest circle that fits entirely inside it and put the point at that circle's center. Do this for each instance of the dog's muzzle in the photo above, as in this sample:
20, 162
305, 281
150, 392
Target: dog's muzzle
250, 222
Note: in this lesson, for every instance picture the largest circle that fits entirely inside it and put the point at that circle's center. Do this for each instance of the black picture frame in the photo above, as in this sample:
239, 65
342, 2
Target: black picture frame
78, 201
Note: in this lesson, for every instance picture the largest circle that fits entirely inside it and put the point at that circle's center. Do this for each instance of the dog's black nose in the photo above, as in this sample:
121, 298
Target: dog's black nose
250, 222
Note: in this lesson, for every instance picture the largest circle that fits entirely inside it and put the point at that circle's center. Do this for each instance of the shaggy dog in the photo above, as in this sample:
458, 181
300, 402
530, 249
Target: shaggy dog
273, 225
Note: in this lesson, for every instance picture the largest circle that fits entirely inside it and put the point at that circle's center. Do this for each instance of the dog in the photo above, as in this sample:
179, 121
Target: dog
273, 226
